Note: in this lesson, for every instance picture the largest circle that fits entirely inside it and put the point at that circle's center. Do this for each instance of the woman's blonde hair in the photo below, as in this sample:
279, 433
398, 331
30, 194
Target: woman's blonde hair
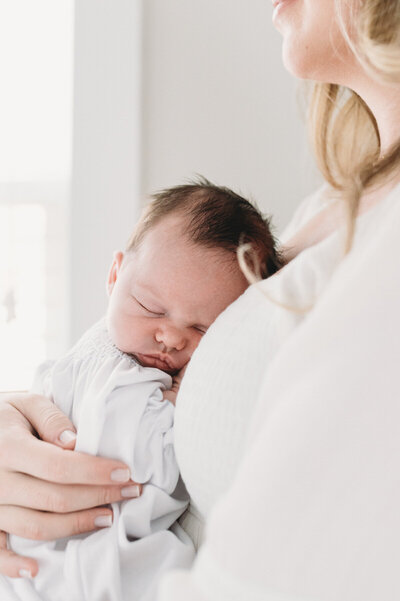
343, 130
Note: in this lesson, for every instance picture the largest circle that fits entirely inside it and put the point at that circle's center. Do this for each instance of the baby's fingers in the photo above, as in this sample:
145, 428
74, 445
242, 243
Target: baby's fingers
13, 565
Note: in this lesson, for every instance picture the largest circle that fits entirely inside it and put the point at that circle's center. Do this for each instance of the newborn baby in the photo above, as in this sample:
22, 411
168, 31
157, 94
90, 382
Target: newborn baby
118, 385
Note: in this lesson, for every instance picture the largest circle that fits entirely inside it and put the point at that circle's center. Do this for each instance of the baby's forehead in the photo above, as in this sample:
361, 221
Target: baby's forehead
173, 226
192, 280
172, 235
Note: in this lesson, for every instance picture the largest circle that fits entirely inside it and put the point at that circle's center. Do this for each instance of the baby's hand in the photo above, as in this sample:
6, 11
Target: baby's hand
170, 395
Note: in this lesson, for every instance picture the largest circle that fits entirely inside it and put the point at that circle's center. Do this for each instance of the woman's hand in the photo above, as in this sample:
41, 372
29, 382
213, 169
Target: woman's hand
47, 491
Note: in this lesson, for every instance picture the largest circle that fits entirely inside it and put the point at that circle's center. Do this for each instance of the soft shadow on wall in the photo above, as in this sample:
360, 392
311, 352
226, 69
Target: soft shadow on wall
217, 101
165, 89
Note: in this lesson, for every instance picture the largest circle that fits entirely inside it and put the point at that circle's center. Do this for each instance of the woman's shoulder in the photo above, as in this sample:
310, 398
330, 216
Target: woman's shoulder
308, 208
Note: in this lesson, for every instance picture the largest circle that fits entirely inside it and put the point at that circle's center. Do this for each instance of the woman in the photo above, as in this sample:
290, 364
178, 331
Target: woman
311, 512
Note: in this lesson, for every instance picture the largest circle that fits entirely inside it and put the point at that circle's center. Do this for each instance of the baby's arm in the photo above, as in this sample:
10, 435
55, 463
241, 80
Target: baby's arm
136, 425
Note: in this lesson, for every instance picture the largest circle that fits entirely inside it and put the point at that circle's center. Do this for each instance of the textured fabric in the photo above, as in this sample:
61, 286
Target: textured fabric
224, 376
118, 409
312, 512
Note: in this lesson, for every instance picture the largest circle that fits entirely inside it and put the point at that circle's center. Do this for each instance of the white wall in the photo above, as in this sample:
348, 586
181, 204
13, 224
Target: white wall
217, 101
165, 89
106, 147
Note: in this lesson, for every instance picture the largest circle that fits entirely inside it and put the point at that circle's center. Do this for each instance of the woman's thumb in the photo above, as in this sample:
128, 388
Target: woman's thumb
51, 424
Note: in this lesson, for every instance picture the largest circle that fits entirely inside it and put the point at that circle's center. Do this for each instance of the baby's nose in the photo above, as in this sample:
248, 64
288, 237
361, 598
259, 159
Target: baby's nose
172, 338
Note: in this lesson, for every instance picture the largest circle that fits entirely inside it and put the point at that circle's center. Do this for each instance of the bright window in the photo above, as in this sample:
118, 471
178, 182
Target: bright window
36, 62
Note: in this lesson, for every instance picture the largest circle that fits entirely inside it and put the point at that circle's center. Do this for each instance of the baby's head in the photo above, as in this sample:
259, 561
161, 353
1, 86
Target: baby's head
180, 271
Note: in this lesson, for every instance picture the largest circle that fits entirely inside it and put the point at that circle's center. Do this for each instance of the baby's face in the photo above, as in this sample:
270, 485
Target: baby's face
165, 295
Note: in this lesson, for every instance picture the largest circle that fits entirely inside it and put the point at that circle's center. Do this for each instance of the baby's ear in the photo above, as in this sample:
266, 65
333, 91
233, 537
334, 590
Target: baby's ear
114, 270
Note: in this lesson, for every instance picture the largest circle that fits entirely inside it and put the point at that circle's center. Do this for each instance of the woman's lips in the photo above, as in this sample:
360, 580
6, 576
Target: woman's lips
275, 3
280, 5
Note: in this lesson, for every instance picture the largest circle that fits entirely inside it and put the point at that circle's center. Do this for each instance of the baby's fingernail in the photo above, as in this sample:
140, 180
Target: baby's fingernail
24, 573
130, 491
67, 436
120, 475
103, 521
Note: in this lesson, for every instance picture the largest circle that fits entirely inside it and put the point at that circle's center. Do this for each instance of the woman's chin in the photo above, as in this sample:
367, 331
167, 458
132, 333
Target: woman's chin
328, 62
303, 65
298, 63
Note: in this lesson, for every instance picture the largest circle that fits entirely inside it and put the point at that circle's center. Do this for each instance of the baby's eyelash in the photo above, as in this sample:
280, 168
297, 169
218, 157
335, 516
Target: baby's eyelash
146, 309
201, 329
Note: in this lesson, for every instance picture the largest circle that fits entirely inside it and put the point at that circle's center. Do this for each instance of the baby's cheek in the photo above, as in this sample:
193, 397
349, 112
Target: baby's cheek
195, 341
117, 329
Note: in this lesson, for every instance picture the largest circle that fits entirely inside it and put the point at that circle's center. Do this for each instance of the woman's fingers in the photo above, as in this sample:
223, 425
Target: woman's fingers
13, 565
61, 498
51, 424
25, 453
38, 525
63, 488
20, 451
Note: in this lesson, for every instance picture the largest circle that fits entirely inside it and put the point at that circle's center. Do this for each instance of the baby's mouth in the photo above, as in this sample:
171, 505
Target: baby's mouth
162, 362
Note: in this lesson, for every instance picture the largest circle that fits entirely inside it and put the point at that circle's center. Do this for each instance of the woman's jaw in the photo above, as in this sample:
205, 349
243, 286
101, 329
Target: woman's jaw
314, 46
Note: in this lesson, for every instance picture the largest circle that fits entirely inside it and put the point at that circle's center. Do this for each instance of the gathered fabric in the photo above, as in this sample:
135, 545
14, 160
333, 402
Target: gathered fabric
118, 409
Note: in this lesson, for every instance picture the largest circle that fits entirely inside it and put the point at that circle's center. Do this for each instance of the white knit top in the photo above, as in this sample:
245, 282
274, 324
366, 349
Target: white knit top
224, 377
299, 484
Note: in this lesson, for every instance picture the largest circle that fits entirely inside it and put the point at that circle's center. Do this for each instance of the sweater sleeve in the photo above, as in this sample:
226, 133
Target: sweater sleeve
313, 513
307, 209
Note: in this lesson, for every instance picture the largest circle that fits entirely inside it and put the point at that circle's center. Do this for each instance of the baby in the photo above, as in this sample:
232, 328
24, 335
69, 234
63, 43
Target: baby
118, 385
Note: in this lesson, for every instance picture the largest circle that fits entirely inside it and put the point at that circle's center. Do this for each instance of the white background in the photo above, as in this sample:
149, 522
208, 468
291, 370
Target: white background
105, 101
203, 91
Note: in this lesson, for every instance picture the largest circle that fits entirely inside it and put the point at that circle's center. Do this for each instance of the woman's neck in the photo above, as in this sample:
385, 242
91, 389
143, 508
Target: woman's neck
383, 99
329, 219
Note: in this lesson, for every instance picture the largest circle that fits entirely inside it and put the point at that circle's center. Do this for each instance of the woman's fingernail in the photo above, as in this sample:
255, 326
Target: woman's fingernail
103, 521
120, 475
24, 573
130, 491
67, 436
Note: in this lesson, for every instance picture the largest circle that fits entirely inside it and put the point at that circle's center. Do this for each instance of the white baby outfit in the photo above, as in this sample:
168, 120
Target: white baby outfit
118, 408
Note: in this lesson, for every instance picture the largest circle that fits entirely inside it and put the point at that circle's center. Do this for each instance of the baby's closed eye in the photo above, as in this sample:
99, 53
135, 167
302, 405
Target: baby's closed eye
152, 310
201, 329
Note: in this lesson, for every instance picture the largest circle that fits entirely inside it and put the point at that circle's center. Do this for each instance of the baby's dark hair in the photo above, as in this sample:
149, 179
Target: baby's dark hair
216, 217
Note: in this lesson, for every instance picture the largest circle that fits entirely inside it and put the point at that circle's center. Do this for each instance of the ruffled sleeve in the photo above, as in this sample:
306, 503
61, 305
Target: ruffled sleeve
124, 416
118, 408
